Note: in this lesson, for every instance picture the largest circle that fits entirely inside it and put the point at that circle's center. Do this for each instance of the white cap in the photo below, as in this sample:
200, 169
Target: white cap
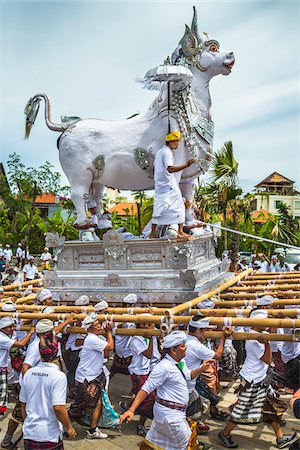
7, 246
6, 322
46, 249
82, 300
202, 323
259, 314
265, 300
43, 295
16, 269
89, 319
175, 338
19, 244
31, 258
206, 304
100, 306
91, 204
48, 310
130, 298
44, 325
9, 307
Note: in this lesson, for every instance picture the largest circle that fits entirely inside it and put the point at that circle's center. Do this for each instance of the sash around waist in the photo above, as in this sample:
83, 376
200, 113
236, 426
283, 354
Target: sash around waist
171, 405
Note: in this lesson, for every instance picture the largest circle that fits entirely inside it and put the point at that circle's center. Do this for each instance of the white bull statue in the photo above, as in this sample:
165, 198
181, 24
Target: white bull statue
94, 153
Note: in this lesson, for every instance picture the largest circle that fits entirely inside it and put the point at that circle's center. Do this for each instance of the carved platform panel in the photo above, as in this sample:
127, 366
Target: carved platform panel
157, 270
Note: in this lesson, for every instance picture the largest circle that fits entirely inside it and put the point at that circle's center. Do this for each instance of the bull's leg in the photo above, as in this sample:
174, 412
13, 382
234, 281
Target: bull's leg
187, 191
80, 194
98, 194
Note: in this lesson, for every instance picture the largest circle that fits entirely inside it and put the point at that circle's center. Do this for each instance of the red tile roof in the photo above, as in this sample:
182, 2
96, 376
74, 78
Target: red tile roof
121, 207
45, 198
260, 216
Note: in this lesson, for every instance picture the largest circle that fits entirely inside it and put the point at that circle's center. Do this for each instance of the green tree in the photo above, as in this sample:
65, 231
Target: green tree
139, 197
26, 184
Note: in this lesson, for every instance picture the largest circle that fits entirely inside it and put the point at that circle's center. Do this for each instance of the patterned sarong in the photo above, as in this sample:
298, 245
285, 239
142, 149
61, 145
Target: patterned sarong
71, 360
120, 365
3, 390
249, 406
87, 395
33, 445
292, 373
146, 407
204, 391
227, 363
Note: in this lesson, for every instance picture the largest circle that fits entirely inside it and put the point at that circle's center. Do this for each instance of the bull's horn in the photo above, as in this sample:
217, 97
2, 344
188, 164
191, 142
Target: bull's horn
194, 26
189, 43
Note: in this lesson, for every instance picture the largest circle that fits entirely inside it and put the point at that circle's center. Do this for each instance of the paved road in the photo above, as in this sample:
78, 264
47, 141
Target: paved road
248, 437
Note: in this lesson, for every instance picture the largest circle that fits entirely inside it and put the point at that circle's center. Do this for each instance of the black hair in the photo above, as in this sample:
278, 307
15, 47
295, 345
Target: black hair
195, 319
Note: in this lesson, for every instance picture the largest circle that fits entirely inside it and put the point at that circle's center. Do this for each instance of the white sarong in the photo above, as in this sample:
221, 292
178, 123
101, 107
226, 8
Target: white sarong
168, 208
169, 435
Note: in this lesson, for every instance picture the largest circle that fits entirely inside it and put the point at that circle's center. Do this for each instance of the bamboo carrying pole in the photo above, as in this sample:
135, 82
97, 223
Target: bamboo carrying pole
29, 298
282, 287
207, 334
221, 312
179, 308
270, 274
24, 283
247, 303
247, 295
268, 282
177, 320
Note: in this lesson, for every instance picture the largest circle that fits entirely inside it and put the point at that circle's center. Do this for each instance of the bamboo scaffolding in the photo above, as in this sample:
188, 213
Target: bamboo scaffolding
249, 302
179, 308
248, 295
29, 298
274, 276
282, 287
221, 312
177, 320
269, 274
207, 334
268, 282
24, 283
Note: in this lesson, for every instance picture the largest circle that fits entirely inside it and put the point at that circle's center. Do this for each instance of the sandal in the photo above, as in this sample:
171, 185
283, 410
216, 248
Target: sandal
227, 440
220, 415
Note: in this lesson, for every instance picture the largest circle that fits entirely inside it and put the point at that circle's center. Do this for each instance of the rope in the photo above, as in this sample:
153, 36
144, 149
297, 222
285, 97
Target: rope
251, 235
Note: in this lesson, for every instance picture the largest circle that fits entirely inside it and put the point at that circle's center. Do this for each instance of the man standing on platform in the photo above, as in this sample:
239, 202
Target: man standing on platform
168, 202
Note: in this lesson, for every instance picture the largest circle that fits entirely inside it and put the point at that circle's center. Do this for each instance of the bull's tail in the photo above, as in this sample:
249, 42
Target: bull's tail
31, 112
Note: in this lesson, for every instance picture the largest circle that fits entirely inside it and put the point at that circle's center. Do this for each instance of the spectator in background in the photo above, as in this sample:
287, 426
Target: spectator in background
19, 254
242, 265
281, 266
7, 255
264, 263
45, 258
25, 256
272, 265
30, 270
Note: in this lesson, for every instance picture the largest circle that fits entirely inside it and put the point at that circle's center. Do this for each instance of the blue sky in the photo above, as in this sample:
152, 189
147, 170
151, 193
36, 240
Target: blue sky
87, 55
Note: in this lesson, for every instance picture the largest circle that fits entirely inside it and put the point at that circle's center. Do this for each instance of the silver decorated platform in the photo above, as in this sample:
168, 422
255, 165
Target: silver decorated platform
157, 270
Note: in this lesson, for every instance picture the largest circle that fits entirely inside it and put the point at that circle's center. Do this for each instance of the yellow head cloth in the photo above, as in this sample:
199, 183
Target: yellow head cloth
174, 136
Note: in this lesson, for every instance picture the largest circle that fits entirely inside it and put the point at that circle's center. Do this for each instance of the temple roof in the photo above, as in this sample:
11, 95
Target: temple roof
275, 178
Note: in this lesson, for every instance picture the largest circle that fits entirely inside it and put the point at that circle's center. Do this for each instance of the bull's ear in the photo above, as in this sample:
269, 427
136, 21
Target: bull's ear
194, 26
189, 43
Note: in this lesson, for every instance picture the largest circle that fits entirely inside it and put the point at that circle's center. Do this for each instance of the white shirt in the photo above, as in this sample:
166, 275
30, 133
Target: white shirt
30, 271
122, 347
264, 266
196, 353
284, 268
25, 254
32, 355
46, 256
5, 345
70, 344
91, 358
289, 350
140, 364
19, 252
171, 385
156, 356
43, 387
7, 254
163, 179
272, 267
254, 369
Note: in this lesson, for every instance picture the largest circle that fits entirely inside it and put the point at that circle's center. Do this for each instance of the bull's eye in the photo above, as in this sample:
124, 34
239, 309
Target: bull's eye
213, 48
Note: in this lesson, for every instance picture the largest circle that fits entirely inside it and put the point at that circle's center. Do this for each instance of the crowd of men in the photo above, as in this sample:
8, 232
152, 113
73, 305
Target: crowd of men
174, 380
23, 266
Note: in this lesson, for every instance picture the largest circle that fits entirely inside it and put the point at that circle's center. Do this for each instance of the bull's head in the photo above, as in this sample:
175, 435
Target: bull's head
201, 52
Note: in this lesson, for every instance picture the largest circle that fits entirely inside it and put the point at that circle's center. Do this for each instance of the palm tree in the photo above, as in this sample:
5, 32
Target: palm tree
223, 174
139, 197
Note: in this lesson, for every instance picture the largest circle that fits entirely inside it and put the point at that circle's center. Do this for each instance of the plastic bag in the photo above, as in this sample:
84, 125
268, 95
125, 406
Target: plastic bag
109, 417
